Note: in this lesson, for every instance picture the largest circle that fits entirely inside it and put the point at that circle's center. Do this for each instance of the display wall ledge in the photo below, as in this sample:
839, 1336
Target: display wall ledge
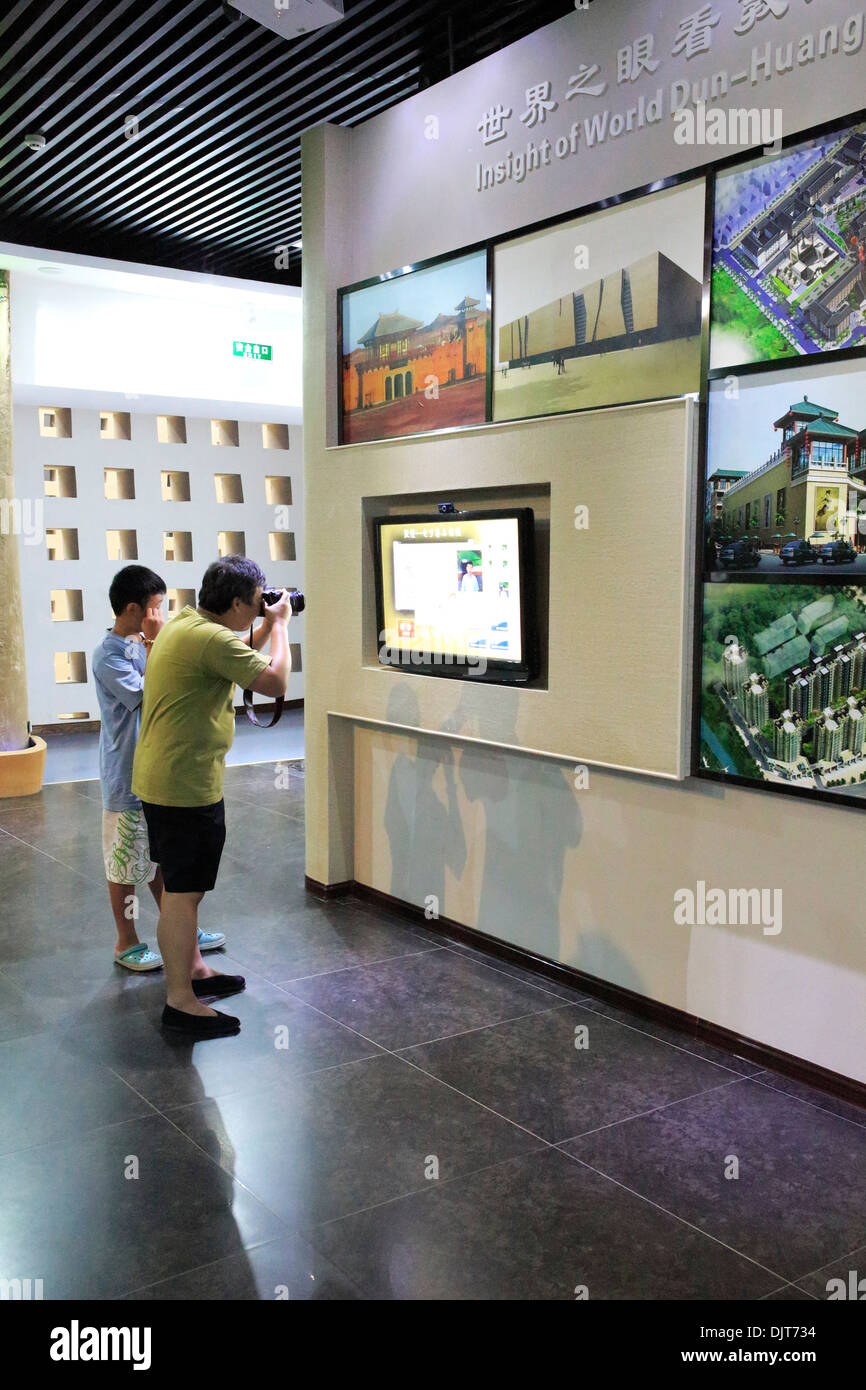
484, 426
548, 754
786, 1064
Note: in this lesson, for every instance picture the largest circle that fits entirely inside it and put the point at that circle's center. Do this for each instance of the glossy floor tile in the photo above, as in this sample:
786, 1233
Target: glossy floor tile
769, 1175
539, 1227
384, 1124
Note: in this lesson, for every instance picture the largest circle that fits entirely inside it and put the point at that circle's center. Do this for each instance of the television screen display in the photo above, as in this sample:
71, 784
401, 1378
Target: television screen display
456, 594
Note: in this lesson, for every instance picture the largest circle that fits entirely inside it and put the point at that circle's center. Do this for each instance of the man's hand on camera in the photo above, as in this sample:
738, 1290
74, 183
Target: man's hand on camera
280, 611
153, 623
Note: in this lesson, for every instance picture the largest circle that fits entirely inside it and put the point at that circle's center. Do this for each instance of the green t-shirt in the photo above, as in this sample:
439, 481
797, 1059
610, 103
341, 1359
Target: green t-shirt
187, 715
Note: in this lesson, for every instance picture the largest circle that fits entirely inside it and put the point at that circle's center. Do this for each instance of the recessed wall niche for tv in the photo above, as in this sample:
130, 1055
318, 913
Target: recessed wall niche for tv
786, 472
603, 309
789, 252
415, 349
783, 687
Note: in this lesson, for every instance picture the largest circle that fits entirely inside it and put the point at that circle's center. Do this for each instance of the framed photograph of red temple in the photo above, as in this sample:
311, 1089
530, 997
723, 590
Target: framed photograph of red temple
415, 349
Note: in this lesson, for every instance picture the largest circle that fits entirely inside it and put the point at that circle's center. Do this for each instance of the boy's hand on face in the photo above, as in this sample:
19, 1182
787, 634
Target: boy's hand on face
153, 622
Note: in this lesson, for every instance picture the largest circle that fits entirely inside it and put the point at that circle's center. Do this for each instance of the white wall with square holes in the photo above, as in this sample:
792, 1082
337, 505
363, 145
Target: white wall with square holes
166, 491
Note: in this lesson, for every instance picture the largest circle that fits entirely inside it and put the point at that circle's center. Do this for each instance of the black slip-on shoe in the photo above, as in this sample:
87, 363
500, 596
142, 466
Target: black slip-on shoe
199, 1026
218, 986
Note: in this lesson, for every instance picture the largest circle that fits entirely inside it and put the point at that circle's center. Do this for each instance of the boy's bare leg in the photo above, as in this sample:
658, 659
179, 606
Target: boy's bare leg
177, 934
157, 886
121, 895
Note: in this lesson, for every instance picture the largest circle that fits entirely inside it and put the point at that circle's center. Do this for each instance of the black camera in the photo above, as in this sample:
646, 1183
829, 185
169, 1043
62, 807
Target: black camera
271, 596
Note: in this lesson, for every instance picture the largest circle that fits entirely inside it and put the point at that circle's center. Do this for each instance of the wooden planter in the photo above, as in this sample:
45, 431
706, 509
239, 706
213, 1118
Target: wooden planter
21, 772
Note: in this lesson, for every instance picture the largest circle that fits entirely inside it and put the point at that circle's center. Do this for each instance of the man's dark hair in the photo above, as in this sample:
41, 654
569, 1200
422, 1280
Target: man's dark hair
134, 584
232, 577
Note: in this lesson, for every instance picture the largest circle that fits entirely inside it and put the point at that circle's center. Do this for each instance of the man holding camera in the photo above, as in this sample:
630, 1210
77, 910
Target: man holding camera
187, 728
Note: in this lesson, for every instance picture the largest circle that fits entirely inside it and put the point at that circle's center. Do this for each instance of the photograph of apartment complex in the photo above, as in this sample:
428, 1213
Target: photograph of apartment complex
783, 697
789, 253
415, 351
601, 310
786, 472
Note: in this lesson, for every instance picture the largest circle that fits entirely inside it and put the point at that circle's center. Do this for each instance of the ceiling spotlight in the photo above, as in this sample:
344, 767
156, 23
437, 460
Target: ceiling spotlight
35, 140
51, 270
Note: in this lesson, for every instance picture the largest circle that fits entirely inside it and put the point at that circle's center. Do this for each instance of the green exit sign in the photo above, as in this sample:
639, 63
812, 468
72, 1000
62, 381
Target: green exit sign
262, 352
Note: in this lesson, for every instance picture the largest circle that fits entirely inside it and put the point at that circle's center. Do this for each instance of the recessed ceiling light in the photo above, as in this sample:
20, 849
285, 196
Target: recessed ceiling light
51, 270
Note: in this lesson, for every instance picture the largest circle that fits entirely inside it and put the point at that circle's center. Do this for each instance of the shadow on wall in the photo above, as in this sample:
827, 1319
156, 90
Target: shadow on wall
425, 834
531, 820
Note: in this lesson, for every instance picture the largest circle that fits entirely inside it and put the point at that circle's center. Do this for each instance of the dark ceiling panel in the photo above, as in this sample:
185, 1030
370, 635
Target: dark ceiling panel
212, 179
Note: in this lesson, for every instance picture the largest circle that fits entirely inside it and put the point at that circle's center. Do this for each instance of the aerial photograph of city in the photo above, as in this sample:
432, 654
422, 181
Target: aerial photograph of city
786, 472
789, 269
783, 688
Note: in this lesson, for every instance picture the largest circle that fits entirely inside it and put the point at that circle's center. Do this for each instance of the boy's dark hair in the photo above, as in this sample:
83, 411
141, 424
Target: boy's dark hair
134, 584
232, 577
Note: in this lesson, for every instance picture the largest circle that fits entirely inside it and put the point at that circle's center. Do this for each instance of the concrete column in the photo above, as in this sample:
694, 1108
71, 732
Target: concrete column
13, 682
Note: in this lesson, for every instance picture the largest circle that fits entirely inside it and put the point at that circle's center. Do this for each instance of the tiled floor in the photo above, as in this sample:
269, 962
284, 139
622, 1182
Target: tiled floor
400, 1117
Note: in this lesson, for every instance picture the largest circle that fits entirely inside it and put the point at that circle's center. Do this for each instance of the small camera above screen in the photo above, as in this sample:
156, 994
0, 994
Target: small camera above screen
456, 594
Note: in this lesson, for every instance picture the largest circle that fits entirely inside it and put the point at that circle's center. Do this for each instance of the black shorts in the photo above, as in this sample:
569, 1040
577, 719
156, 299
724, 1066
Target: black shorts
187, 843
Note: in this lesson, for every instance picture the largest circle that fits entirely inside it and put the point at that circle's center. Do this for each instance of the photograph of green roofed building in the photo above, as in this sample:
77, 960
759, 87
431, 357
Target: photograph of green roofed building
602, 309
786, 472
783, 685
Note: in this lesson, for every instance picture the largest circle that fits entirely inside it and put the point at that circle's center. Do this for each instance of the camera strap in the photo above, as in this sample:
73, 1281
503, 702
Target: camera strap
279, 702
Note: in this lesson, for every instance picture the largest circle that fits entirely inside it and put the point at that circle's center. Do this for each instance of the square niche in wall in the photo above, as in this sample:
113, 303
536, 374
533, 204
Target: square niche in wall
171, 429
55, 422
275, 436
70, 668
281, 545
67, 606
175, 486
278, 491
177, 545
229, 487
60, 482
61, 542
120, 484
231, 543
176, 599
114, 424
224, 432
121, 545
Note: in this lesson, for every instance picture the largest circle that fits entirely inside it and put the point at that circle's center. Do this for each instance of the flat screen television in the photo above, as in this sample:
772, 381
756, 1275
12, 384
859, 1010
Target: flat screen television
455, 594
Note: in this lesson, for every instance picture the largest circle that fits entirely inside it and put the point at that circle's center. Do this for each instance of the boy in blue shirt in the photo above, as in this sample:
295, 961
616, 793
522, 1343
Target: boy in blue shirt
119, 664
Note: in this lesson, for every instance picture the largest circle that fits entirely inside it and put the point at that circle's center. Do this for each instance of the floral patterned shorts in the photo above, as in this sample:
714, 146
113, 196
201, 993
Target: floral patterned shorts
126, 848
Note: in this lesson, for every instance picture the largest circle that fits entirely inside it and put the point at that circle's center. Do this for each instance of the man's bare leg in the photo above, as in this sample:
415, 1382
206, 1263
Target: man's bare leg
200, 971
177, 935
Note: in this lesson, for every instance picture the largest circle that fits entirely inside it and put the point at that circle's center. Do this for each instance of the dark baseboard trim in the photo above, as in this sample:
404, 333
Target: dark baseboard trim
69, 726
92, 726
785, 1063
329, 890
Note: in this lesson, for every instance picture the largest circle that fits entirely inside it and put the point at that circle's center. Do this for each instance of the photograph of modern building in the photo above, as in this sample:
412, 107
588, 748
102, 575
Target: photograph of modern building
784, 685
789, 274
786, 484
602, 310
415, 351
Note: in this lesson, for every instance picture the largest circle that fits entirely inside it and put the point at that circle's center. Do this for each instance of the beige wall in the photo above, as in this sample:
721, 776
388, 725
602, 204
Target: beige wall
501, 837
